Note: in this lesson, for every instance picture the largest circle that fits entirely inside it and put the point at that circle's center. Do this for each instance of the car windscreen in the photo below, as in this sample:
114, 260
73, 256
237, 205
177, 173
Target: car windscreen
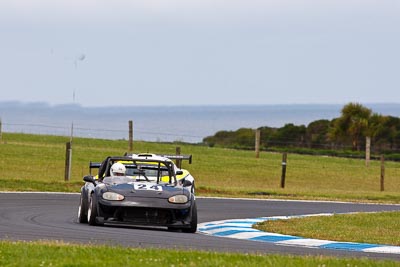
118, 180
150, 171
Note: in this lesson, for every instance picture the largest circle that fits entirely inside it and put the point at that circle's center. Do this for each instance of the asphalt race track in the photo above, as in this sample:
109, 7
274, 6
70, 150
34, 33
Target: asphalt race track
43, 216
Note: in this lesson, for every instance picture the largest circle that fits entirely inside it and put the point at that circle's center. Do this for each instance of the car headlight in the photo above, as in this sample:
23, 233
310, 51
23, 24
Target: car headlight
113, 196
178, 199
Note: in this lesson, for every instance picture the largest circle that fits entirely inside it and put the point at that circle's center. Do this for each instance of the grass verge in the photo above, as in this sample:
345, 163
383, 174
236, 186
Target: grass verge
62, 254
376, 228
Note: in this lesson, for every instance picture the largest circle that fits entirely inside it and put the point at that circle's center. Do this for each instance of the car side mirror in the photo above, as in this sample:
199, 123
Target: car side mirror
89, 179
186, 183
179, 172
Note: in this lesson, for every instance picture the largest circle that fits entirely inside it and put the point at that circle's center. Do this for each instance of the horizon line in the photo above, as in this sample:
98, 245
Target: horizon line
72, 104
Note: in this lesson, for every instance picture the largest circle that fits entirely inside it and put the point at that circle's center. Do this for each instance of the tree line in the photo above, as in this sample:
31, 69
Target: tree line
350, 131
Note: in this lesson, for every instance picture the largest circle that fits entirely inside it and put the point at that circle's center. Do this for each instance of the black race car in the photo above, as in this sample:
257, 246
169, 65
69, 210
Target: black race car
149, 194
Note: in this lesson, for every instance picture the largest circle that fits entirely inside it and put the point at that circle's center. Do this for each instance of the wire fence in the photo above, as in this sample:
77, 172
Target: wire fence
118, 132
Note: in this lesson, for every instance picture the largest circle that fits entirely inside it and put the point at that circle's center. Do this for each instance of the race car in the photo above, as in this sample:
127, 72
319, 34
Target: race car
148, 194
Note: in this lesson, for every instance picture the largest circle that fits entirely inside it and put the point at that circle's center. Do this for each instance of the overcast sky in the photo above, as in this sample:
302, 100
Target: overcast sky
200, 52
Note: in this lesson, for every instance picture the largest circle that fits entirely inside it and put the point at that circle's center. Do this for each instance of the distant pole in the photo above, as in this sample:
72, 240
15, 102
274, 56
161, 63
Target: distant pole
130, 136
367, 150
72, 132
1, 135
178, 161
283, 177
257, 144
79, 57
68, 152
68, 158
382, 173
72, 122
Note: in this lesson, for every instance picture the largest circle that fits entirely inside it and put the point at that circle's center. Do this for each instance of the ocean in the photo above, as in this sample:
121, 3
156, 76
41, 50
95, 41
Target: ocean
163, 123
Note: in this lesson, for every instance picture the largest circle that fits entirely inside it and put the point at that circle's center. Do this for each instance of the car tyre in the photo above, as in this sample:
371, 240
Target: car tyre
193, 188
193, 222
92, 210
82, 217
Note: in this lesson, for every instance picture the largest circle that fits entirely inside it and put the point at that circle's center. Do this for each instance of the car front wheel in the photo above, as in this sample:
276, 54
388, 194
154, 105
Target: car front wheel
92, 210
193, 222
82, 217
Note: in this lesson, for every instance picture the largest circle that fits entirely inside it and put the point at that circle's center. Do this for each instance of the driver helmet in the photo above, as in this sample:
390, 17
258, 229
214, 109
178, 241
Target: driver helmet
117, 169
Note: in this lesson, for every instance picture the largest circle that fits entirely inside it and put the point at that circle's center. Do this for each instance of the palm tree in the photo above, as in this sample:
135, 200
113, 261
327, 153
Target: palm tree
352, 125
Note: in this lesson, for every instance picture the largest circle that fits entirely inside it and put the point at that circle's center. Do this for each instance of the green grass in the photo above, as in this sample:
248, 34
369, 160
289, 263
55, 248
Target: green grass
36, 162
376, 228
62, 254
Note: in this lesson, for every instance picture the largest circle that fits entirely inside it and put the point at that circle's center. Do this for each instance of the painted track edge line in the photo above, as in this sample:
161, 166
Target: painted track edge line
242, 229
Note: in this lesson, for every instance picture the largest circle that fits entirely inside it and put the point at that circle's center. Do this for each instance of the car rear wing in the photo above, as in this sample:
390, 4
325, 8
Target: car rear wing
177, 158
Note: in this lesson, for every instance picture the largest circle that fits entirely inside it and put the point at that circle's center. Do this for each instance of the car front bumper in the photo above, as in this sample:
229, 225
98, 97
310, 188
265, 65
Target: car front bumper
144, 211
